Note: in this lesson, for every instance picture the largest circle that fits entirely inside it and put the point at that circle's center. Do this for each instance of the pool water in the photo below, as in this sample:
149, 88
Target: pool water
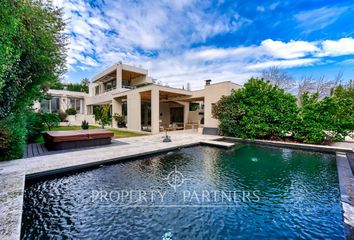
280, 194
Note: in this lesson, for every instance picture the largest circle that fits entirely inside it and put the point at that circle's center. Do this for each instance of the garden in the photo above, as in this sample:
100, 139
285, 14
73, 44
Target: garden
262, 110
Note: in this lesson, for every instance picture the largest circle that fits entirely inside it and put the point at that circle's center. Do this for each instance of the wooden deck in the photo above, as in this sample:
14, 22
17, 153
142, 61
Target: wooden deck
35, 149
38, 149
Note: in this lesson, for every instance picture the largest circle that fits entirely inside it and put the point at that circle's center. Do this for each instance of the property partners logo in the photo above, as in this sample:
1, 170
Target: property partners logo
176, 196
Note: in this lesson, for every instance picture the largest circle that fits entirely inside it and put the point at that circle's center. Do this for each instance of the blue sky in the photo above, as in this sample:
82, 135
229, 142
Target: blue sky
182, 41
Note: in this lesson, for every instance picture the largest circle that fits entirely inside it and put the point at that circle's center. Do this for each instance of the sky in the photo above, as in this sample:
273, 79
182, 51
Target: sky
188, 41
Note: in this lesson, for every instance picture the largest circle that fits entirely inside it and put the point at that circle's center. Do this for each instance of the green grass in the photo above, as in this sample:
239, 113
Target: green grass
117, 133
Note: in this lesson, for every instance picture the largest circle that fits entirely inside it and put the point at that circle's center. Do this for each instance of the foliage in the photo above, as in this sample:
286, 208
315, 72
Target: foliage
62, 115
34, 125
326, 120
70, 111
84, 125
346, 93
75, 87
120, 119
12, 137
193, 106
259, 110
50, 120
32, 52
85, 85
323, 121
102, 114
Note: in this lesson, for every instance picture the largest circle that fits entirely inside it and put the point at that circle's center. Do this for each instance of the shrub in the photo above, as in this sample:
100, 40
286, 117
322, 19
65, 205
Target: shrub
84, 125
259, 110
62, 116
70, 111
12, 137
34, 125
50, 120
32, 52
324, 121
102, 114
120, 119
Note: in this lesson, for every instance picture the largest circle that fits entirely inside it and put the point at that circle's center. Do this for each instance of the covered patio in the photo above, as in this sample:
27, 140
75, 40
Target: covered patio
157, 108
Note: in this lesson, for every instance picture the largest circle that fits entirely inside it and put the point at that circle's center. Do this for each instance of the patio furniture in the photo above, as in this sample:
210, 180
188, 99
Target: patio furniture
60, 140
175, 126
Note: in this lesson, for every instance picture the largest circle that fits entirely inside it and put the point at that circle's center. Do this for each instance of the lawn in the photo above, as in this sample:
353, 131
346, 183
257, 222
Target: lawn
117, 133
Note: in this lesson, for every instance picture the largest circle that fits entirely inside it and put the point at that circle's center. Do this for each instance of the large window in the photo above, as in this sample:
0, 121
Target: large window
77, 104
108, 86
51, 105
126, 83
97, 90
45, 105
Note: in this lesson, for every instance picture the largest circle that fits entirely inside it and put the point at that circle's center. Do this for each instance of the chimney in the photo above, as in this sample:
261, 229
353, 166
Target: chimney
207, 82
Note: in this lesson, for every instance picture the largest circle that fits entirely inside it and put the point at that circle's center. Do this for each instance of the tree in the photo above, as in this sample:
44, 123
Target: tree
102, 114
85, 85
32, 52
278, 78
50, 120
32, 59
319, 85
259, 110
324, 120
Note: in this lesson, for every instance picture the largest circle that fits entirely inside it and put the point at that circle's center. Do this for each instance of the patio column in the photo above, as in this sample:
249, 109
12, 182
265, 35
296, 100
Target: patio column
119, 76
186, 113
134, 111
155, 111
116, 108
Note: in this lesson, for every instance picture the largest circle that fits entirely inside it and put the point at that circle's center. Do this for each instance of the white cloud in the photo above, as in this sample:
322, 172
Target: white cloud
147, 35
341, 47
320, 18
274, 5
292, 49
283, 63
260, 9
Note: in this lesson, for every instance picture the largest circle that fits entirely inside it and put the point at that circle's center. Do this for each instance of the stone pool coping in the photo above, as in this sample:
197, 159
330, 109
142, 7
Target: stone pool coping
14, 173
346, 185
302, 146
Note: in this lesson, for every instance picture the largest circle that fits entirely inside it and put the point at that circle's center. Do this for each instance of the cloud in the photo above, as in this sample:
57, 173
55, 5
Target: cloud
172, 39
292, 49
320, 18
260, 9
283, 63
341, 47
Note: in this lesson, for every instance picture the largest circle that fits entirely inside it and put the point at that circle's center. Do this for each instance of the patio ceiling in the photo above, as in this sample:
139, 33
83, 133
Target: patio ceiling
146, 96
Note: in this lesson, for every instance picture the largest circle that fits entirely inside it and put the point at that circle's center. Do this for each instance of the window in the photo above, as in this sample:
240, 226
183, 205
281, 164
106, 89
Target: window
51, 105
54, 104
45, 105
108, 86
77, 104
124, 109
97, 90
125, 83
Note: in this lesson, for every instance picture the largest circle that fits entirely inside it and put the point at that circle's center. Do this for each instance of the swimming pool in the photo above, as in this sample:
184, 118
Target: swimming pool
200, 192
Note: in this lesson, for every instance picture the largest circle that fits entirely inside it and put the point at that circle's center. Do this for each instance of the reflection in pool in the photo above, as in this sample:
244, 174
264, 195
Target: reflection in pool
296, 195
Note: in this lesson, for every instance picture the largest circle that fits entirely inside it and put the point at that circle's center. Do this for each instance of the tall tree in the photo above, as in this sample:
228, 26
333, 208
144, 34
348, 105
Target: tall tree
32, 52
279, 78
85, 85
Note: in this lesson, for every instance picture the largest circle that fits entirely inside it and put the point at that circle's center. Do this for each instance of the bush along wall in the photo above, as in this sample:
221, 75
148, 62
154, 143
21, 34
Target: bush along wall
12, 137
263, 111
259, 110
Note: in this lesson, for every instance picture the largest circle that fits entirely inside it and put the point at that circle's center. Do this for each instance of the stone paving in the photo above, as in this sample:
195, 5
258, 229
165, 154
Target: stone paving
13, 173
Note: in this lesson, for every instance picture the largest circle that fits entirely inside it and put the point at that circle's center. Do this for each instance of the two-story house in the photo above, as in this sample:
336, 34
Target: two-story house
154, 108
